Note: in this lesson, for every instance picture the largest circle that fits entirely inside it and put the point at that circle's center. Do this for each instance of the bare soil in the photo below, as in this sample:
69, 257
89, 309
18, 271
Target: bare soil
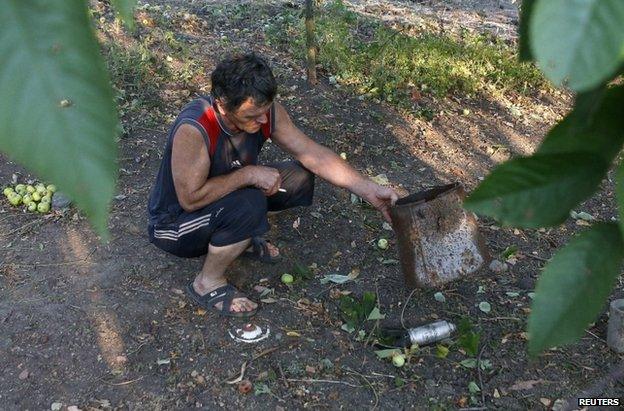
107, 326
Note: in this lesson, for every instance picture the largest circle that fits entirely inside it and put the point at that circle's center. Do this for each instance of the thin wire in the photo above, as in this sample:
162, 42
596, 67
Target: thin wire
404, 306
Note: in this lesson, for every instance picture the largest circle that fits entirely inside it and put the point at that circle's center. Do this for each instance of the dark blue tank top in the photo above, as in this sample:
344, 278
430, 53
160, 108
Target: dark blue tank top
226, 154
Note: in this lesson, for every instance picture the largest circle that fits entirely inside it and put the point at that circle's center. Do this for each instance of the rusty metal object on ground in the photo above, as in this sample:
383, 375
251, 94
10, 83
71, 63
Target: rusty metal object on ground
615, 330
438, 240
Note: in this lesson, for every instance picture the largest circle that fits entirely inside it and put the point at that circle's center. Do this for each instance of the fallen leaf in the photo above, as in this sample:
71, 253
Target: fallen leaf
439, 297
525, 385
485, 307
23, 375
496, 394
200, 311
296, 223
164, 361
73, 408
381, 179
387, 353
473, 387
354, 273
335, 278
268, 300
376, 315
310, 370
335, 293
293, 334
545, 401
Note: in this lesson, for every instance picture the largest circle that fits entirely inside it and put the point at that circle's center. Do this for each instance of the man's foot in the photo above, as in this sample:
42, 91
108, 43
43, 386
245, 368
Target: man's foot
273, 250
239, 304
262, 250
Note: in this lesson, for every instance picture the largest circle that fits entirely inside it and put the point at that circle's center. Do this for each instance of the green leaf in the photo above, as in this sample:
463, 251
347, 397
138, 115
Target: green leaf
375, 315
542, 189
468, 340
595, 125
473, 387
387, 353
261, 388
125, 8
469, 363
509, 251
525, 40
369, 300
485, 307
537, 191
442, 351
574, 287
57, 115
581, 41
335, 278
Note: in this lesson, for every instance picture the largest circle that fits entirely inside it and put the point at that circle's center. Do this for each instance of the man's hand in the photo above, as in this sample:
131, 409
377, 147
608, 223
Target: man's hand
381, 198
266, 179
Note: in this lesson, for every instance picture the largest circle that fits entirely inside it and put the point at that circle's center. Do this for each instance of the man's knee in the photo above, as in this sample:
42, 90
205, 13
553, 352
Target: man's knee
253, 205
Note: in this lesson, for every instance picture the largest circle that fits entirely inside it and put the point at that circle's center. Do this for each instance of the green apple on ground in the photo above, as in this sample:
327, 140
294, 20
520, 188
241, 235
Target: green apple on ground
30, 189
36, 196
382, 243
15, 199
27, 199
20, 187
287, 278
46, 198
398, 360
32, 206
51, 188
8, 191
43, 207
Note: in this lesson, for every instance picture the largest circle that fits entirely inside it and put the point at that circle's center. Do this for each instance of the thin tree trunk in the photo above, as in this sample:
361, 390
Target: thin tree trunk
310, 41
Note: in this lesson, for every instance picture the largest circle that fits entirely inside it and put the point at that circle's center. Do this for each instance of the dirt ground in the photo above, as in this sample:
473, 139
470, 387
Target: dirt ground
107, 326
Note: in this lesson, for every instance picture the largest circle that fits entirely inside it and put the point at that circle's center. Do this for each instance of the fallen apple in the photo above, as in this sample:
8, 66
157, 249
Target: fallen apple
30, 189
40, 189
27, 199
15, 199
43, 207
32, 206
51, 188
398, 360
287, 278
20, 187
382, 243
36, 196
46, 198
8, 191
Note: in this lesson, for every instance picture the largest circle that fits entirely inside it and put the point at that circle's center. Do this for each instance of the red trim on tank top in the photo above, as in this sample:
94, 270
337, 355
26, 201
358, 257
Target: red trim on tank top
266, 127
209, 122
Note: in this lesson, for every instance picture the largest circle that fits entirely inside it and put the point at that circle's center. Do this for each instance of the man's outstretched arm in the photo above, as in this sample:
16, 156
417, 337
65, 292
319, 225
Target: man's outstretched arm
328, 165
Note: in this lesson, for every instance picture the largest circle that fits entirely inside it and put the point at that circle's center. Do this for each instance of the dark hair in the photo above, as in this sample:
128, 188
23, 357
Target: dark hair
242, 76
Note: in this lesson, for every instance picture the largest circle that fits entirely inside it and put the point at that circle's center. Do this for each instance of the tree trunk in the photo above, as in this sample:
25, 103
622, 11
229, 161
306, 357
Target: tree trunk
310, 42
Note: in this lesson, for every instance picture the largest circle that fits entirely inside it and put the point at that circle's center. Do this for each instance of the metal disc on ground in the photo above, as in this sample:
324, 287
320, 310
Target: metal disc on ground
249, 333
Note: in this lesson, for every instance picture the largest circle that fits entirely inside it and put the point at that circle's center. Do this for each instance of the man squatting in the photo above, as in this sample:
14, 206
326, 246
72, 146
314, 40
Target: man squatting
212, 197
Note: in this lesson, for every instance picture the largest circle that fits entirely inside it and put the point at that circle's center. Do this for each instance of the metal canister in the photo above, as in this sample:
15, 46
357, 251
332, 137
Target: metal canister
430, 333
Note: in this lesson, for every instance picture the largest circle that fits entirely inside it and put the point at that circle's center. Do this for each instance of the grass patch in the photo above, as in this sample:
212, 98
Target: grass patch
389, 64
144, 64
